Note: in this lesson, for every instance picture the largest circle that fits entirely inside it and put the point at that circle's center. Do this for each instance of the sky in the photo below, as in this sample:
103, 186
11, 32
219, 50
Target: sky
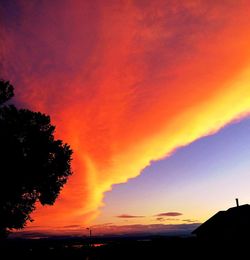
152, 96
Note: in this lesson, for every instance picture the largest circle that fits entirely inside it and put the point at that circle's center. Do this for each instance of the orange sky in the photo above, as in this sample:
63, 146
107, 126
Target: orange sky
126, 82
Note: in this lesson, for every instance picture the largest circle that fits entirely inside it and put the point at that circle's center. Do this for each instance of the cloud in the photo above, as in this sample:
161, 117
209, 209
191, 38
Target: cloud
160, 219
102, 225
72, 226
125, 88
136, 229
189, 220
169, 214
129, 216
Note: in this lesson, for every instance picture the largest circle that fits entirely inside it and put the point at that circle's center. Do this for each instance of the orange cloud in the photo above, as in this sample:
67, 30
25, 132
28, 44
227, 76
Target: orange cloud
125, 83
129, 216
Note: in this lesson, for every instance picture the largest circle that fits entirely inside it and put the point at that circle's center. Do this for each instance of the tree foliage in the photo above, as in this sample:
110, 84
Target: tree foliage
34, 166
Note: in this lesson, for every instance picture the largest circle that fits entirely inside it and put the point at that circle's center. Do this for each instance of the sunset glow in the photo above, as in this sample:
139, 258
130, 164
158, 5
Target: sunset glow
126, 83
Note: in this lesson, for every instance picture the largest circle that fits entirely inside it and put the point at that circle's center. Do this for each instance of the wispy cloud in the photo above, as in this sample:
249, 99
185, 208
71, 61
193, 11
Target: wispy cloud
102, 225
129, 216
169, 214
161, 219
190, 220
72, 226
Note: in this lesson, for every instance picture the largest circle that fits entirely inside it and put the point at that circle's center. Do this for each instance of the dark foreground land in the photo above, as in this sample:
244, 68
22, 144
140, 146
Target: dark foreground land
123, 248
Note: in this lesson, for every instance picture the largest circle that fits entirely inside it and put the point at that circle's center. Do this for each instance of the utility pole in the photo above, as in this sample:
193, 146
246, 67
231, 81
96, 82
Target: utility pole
90, 236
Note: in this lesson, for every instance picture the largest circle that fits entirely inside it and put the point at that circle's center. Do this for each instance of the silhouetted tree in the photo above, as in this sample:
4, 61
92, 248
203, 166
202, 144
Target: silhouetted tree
34, 166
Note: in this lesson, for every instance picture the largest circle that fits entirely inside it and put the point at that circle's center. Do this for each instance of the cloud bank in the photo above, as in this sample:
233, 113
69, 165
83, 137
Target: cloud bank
114, 230
126, 82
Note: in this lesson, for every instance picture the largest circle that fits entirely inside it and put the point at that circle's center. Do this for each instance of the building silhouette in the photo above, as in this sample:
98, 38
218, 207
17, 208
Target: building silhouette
232, 224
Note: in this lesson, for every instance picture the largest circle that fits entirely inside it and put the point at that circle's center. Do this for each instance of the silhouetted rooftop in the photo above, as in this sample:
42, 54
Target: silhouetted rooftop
232, 223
